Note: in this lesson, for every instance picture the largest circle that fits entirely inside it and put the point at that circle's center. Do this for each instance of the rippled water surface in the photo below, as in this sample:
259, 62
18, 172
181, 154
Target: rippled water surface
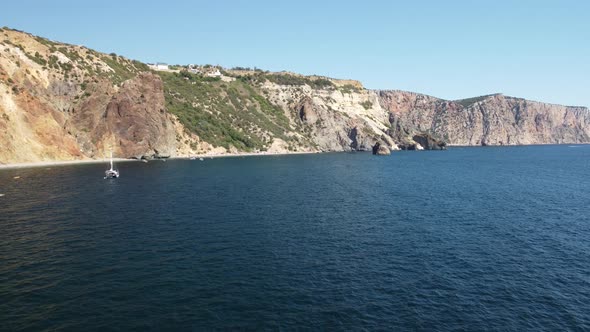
470, 238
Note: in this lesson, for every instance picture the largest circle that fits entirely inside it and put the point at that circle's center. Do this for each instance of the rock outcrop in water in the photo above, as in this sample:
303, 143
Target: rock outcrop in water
427, 142
380, 149
65, 102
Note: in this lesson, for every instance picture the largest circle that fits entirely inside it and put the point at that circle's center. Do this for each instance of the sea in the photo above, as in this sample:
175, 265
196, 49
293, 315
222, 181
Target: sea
469, 239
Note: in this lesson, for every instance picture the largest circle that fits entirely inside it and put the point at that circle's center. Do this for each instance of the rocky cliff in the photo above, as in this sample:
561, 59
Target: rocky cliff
66, 102
489, 120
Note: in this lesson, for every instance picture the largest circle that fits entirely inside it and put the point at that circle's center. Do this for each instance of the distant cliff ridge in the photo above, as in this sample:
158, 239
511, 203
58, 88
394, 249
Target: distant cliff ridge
490, 120
68, 102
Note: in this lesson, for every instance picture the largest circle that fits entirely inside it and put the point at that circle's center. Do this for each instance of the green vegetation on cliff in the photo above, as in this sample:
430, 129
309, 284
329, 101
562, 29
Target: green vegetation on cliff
258, 76
224, 113
470, 101
288, 79
123, 69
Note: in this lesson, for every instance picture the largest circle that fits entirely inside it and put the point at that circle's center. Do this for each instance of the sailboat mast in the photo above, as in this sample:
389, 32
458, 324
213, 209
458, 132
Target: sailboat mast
111, 160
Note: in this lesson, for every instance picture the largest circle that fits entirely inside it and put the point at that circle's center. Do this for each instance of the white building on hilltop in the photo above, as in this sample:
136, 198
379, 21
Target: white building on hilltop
158, 66
215, 73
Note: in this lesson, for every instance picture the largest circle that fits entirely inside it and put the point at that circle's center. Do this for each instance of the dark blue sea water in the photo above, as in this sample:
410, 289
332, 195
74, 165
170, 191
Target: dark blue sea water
466, 239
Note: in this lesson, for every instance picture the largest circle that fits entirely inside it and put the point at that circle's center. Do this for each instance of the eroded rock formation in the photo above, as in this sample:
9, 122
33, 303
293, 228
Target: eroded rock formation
380, 149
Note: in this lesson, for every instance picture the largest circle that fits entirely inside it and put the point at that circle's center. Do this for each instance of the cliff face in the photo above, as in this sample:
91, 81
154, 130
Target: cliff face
136, 121
66, 102
334, 119
489, 120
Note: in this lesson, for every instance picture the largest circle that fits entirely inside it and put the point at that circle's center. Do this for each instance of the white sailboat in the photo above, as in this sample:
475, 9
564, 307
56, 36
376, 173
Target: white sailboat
111, 173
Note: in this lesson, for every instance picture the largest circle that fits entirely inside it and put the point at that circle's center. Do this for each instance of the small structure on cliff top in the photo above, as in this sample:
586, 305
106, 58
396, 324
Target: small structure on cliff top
158, 66
215, 73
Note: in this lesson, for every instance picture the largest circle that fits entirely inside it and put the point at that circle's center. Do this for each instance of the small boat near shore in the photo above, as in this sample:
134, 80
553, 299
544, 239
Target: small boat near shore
111, 173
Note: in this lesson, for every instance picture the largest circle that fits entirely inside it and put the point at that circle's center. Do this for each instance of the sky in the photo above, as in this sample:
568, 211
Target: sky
538, 50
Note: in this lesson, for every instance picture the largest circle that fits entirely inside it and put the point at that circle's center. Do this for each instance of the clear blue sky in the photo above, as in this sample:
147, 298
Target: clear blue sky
451, 49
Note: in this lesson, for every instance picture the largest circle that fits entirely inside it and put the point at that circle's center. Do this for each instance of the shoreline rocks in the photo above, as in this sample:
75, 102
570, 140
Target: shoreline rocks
380, 150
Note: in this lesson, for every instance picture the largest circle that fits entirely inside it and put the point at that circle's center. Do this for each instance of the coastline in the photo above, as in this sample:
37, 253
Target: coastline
119, 160
511, 145
224, 155
61, 163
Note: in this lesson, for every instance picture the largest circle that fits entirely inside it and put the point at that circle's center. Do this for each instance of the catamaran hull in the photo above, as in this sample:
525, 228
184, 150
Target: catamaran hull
111, 175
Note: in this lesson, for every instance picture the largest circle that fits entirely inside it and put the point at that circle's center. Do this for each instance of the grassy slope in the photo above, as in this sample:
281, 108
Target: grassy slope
225, 113
470, 101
